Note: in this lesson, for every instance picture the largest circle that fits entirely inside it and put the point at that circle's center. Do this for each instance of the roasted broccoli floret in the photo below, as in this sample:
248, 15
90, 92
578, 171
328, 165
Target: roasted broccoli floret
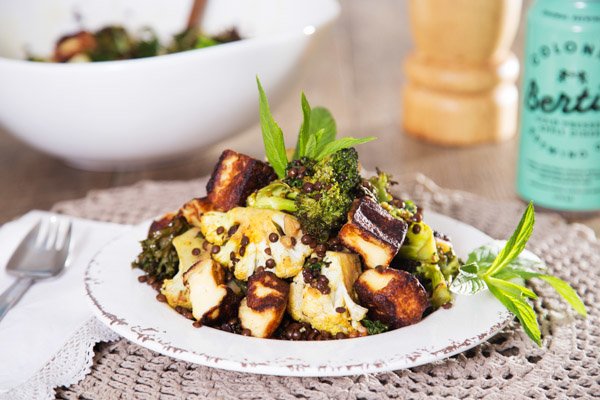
420, 244
275, 196
438, 262
327, 195
159, 257
437, 286
323, 214
379, 187
318, 194
449, 262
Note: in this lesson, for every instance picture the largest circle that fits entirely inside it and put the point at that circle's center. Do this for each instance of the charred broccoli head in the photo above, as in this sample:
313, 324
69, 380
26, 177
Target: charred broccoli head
276, 196
319, 193
379, 187
327, 195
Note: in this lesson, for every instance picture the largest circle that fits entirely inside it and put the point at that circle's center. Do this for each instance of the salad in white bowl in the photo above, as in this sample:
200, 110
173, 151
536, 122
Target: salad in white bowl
125, 114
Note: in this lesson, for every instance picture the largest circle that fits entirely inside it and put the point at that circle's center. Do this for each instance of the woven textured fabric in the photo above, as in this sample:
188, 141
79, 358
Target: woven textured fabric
507, 366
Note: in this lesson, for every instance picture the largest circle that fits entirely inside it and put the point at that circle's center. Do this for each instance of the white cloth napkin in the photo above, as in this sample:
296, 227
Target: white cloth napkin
52, 310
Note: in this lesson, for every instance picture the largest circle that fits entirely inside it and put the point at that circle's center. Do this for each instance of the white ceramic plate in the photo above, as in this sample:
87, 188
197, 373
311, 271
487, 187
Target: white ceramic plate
130, 309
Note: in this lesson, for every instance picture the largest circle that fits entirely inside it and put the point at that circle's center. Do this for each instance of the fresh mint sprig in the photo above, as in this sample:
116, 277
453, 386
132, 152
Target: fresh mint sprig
272, 135
317, 123
486, 267
316, 138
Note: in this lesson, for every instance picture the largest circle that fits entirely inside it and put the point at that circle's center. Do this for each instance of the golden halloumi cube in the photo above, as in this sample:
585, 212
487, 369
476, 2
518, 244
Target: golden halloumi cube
234, 178
372, 232
211, 299
263, 307
392, 296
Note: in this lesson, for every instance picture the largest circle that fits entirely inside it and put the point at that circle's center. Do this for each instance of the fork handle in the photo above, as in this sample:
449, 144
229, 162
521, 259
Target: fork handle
13, 294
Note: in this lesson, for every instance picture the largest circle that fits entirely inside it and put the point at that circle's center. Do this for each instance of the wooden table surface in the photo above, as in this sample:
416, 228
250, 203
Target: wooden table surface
358, 76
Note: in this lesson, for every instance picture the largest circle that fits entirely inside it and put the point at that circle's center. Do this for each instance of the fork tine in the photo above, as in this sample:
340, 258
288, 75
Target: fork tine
33, 232
52, 234
65, 237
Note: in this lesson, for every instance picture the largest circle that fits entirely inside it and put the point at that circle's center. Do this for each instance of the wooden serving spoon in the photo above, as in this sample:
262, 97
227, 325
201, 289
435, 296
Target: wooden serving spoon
196, 14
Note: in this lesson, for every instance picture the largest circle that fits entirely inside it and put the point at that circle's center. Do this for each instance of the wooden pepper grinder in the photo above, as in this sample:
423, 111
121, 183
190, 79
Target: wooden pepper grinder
461, 77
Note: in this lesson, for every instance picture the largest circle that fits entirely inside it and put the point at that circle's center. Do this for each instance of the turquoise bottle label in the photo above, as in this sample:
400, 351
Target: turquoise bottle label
559, 158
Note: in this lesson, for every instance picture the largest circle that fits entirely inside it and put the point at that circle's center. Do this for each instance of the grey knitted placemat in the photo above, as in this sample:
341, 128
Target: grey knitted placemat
507, 366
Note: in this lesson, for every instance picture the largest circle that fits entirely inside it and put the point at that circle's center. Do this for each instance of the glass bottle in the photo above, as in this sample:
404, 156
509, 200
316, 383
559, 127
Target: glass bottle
559, 156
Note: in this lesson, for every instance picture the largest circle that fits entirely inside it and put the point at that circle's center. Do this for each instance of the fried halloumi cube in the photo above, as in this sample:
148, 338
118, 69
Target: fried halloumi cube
248, 246
194, 209
337, 310
263, 307
161, 223
234, 178
372, 232
189, 247
393, 297
212, 301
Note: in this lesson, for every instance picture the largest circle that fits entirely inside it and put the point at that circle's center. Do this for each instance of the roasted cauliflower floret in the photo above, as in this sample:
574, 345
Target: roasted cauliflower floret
249, 237
393, 297
372, 232
333, 310
212, 301
263, 307
189, 247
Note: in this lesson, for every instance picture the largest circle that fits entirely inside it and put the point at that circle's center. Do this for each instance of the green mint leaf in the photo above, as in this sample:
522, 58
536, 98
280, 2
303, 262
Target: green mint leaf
323, 126
467, 281
567, 293
521, 267
374, 327
508, 286
561, 287
522, 310
527, 264
483, 256
340, 144
311, 147
516, 244
305, 132
272, 135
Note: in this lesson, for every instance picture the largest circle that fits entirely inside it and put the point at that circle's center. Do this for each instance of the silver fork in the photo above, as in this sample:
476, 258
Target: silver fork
42, 254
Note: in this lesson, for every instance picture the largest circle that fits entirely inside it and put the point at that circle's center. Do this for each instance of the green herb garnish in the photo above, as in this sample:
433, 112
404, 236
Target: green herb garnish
272, 135
317, 130
496, 270
316, 139
374, 327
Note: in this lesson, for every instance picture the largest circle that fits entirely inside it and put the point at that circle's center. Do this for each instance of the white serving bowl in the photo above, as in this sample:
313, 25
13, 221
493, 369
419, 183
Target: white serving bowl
126, 114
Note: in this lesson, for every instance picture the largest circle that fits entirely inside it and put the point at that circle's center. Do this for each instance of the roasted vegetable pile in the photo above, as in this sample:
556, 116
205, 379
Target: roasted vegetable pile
300, 248
303, 247
116, 43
